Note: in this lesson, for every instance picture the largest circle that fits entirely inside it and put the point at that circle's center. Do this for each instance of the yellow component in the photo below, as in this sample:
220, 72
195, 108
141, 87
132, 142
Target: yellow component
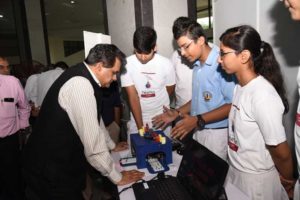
141, 132
163, 140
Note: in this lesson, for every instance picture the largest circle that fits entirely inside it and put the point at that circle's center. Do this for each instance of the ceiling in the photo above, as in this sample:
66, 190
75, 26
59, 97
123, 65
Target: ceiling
65, 18
7, 24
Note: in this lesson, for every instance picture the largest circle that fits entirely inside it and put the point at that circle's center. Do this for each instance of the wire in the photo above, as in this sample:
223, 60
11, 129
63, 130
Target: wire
124, 189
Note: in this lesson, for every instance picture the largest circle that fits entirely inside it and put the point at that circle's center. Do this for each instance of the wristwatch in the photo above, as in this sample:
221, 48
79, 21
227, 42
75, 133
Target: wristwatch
200, 122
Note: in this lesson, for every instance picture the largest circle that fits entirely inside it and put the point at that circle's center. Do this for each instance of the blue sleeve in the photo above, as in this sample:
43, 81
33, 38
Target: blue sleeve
228, 82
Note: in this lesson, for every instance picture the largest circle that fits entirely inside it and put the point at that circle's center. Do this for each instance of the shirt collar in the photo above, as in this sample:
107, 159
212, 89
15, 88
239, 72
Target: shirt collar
92, 73
211, 59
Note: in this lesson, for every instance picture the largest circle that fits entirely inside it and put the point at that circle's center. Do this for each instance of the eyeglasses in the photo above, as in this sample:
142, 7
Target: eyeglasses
185, 47
221, 53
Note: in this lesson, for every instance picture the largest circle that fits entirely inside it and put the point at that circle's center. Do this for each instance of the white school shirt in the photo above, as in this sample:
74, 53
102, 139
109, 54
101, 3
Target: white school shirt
150, 81
255, 120
45, 81
183, 79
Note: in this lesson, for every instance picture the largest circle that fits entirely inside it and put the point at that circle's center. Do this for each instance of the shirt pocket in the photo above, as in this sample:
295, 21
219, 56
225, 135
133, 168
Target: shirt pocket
8, 108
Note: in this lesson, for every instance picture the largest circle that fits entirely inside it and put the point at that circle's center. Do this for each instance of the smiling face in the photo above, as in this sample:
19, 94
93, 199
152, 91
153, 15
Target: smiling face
107, 75
294, 8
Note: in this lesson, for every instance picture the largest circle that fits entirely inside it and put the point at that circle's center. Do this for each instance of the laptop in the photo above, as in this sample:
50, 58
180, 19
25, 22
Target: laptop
200, 176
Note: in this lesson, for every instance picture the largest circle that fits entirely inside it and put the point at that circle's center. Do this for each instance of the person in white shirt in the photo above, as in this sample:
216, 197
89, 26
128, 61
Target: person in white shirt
183, 79
257, 148
294, 8
31, 89
46, 79
149, 80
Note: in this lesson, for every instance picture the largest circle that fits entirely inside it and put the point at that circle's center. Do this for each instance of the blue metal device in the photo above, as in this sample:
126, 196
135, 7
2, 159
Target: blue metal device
145, 147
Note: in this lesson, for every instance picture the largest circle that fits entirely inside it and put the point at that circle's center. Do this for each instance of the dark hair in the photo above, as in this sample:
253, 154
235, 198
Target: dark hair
62, 65
144, 39
247, 38
3, 58
107, 54
184, 26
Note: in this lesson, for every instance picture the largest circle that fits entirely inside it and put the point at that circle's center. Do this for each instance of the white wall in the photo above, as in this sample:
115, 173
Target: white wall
164, 13
56, 47
272, 21
35, 29
121, 23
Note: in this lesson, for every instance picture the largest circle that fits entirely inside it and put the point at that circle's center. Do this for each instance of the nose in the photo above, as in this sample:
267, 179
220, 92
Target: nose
182, 52
286, 3
143, 57
7, 70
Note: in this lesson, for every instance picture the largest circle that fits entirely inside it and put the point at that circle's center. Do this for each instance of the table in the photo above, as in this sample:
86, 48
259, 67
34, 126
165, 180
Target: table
233, 193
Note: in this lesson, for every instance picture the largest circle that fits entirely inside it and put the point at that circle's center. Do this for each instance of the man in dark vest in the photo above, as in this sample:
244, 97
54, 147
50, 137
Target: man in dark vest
69, 131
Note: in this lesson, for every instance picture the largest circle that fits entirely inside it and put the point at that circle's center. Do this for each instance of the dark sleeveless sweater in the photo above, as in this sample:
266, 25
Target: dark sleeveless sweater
54, 152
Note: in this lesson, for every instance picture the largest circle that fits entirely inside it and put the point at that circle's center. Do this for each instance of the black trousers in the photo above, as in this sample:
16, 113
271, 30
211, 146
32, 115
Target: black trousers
39, 188
10, 168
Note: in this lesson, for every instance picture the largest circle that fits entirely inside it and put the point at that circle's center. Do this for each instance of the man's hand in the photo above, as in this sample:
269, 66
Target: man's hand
130, 177
121, 146
183, 127
162, 120
35, 110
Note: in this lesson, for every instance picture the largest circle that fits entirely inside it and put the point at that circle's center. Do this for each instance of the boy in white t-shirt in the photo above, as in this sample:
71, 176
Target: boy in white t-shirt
149, 80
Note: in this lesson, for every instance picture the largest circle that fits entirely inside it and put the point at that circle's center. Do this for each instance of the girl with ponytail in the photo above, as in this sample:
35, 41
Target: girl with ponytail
257, 148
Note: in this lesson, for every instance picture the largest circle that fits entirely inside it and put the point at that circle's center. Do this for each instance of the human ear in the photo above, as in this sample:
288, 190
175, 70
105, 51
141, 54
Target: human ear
245, 56
201, 40
155, 48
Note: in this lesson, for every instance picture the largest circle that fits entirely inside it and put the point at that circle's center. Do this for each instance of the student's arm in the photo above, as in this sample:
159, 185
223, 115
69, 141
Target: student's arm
169, 115
135, 106
170, 89
117, 105
282, 158
188, 123
117, 111
217, 114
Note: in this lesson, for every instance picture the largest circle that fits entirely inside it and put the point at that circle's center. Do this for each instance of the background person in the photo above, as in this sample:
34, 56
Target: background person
14, 116
183, 79
294, 8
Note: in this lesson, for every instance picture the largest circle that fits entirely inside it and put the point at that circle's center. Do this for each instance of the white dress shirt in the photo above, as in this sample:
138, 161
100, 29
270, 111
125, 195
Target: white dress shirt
76, 97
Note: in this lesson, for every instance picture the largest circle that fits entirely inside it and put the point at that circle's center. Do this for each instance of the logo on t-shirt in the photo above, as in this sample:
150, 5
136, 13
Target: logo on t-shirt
232, 137
147, 94
298, 119
207, 96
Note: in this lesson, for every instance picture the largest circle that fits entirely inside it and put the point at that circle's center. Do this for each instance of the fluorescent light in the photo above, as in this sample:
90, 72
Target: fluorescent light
72, 2
1, 16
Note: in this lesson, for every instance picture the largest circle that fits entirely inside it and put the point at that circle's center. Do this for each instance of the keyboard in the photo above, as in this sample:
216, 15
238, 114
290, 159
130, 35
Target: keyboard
161, 189
167, 188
